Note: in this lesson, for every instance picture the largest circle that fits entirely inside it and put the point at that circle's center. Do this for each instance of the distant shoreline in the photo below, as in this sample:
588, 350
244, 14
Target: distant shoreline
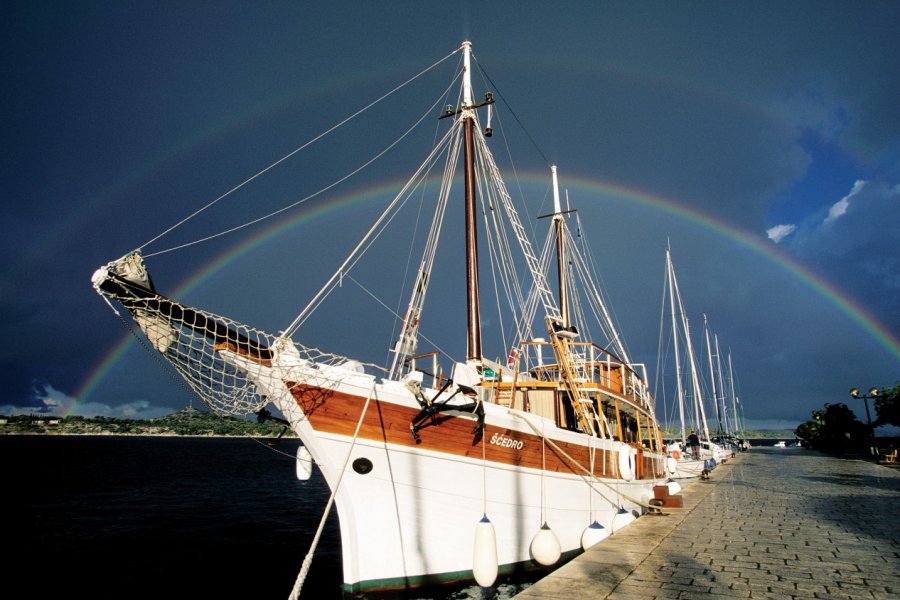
184, 423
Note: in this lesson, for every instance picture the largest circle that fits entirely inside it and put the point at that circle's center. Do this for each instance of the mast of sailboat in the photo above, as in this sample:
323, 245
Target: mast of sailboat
699, 410
722, 386
560, 252
712, 375
473, 310
679, 386
738, 421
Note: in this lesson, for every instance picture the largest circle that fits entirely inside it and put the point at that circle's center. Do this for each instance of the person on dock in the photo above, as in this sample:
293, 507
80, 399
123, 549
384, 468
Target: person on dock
694, 443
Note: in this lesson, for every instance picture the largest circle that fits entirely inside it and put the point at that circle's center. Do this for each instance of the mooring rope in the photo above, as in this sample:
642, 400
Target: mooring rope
307, 561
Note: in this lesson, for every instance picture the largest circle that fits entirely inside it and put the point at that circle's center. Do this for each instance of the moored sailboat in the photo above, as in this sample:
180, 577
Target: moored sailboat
442, 474
693, 454
719, 444
740, 431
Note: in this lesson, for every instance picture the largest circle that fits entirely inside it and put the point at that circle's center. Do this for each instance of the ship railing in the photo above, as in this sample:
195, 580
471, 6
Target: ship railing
429, 366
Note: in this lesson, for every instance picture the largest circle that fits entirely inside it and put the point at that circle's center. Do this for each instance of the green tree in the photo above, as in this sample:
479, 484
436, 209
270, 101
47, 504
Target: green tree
809, 430
836, 430
887, 406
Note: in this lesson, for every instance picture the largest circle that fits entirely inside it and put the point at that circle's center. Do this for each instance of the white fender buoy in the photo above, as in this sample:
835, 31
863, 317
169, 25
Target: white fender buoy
593, 534
304, 463
645, 501
484, 560
626, 463
671, 465
674, 487
621, 519
545, 549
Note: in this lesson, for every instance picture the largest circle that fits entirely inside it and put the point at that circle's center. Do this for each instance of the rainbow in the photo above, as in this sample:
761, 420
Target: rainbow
194, 281
766, 250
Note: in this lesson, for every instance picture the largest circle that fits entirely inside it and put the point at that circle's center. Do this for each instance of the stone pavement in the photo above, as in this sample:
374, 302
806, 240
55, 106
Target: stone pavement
771, 523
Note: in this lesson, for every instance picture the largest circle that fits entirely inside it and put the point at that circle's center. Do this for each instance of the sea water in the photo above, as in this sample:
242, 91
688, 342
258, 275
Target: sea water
169, 518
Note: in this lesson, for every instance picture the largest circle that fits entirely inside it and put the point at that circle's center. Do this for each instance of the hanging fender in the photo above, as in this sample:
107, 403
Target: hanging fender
671, 465
626, 463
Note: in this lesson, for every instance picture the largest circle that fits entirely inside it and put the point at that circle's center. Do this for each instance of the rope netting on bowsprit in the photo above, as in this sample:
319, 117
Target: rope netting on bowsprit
226, 363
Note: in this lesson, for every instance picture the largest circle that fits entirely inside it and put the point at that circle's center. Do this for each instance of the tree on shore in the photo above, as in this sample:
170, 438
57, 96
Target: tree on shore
836, 430
887, 407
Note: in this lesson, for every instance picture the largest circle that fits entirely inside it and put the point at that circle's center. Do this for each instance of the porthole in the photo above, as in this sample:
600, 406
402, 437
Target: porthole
362, 466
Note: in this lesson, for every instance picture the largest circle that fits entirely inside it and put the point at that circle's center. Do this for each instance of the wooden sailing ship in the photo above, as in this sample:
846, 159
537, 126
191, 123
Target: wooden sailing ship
440, 473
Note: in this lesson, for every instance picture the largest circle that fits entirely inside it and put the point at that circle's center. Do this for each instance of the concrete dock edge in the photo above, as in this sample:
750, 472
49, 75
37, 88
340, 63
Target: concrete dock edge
770, 523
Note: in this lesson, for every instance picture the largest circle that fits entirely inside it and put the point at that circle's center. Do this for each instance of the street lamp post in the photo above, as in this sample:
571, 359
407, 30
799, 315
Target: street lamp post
873, 393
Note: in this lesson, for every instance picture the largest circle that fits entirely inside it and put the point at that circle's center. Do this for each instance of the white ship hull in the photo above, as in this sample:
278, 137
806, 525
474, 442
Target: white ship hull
688, 468
408, 515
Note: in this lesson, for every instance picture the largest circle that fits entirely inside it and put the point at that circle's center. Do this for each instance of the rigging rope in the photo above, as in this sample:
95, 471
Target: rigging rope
307, 561
393, 312
363, 243
512, 112
289, 155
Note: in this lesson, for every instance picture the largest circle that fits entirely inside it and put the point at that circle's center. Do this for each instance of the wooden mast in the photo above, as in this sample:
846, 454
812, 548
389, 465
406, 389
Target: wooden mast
473, 340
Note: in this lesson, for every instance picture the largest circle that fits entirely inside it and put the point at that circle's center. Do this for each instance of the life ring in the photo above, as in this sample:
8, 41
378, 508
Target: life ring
626, 463
676, 454
671, 465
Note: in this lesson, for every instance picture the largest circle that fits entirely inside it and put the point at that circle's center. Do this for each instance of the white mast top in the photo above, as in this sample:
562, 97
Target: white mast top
557, 208
558, 225
468, 112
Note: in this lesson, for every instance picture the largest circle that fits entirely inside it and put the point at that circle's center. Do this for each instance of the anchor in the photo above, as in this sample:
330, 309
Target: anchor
430, 410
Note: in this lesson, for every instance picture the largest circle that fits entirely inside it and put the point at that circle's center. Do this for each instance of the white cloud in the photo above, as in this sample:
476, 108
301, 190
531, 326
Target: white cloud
779, 232
132, 410
51, 402
861, 232
140, 409
839, 208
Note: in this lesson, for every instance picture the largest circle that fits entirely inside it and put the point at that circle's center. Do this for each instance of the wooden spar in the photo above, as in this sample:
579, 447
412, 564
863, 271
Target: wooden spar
473, 321
134, 297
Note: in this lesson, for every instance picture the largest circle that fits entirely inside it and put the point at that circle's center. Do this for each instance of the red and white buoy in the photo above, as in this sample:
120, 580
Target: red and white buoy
513, 355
